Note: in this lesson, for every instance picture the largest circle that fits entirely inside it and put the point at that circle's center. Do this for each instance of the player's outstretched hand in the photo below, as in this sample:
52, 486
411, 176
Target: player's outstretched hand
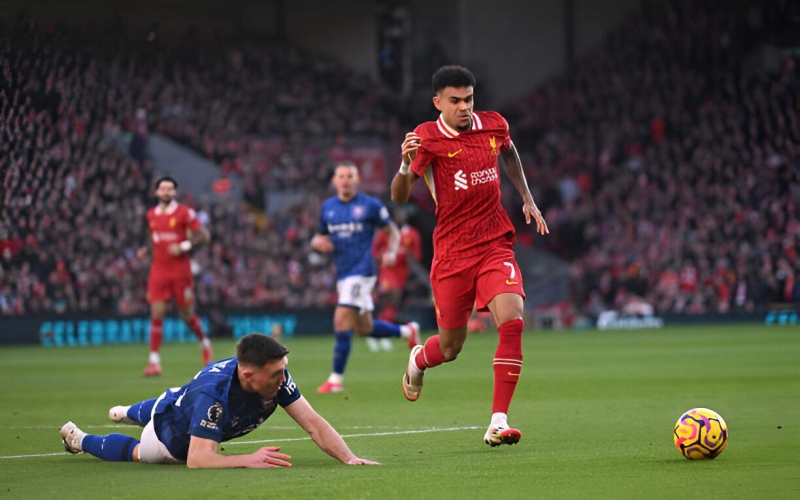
531, 210
269, 458
409, 147
361, 461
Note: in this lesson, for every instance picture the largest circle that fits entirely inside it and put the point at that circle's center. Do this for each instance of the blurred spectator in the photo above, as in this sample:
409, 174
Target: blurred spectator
694, 163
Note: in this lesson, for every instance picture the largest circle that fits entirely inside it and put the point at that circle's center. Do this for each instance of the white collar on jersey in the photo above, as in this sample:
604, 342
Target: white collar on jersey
173, 205
450, 132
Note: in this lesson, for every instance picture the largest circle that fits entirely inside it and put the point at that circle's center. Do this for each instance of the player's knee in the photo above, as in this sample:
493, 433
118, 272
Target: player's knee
450, 352
362, 332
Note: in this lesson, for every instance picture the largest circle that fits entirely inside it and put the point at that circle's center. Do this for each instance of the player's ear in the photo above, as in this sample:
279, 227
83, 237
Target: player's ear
437, 102
245, 372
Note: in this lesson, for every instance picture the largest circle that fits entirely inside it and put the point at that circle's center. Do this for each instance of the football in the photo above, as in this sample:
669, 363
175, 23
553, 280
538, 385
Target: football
700, 433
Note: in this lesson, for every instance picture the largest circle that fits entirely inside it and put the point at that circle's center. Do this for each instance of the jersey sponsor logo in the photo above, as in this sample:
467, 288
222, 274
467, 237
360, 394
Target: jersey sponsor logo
493, 144
453, 154
345, 229
460, 180
484, 176
165, 236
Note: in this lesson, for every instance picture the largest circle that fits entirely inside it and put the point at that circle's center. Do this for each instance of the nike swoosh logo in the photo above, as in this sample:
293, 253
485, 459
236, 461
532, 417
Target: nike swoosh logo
450, 155
513, 374
510, 282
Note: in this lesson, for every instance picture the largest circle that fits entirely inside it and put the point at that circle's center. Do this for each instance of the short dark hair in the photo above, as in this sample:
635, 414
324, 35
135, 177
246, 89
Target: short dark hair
452, 76
257, 349
166, 178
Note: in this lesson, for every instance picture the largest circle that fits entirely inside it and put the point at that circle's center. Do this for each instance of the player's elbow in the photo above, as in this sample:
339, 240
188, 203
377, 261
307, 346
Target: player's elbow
400, 196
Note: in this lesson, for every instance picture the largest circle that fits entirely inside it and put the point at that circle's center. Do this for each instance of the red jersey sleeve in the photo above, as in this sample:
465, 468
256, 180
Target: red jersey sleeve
192, 222
380, 244
424, 155
496, 121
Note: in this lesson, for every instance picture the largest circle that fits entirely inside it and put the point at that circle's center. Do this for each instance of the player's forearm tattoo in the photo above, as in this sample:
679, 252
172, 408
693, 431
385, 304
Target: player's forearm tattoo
513, 167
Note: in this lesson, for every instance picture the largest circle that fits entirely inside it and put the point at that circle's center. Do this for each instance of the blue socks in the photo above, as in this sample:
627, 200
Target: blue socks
341, 350
383, 329
113, 448
141, 411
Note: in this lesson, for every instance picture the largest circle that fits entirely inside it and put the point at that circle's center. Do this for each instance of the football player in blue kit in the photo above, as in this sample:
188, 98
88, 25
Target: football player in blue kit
225, 400
346, 229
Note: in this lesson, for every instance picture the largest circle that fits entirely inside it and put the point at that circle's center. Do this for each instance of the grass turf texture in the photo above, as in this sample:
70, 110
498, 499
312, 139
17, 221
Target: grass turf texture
596, 410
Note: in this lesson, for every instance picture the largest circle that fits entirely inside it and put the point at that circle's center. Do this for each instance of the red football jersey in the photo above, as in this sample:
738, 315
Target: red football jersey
167, 227
462, 173
410, 244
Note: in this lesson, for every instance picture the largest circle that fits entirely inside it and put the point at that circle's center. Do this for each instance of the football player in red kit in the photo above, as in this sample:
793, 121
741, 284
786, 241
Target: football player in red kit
474, 262
392, 278
174, 231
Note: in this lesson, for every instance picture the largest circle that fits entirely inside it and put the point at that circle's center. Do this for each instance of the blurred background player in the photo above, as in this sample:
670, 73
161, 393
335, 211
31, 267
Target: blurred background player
174, 231
474, 261
346, 228
225, 400
392, 278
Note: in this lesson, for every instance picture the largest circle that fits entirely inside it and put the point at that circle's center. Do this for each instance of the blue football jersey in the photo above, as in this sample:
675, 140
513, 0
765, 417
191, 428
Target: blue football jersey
351, 226
214, 406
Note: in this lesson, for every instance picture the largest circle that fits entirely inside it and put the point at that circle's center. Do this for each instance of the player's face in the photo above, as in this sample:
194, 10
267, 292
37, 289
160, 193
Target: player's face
345, 180
268, 379
456, 106
165, 192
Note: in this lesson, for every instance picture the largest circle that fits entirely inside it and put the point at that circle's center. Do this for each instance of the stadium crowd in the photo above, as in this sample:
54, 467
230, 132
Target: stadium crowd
666, 162
78, 181
669, 164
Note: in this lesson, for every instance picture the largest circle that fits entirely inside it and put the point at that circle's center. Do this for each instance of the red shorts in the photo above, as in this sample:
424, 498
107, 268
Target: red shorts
162, 288
460, 284
388, 281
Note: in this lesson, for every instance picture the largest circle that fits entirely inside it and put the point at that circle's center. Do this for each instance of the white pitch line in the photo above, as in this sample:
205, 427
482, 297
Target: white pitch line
124, 426
307, 438
229, 443
35, 456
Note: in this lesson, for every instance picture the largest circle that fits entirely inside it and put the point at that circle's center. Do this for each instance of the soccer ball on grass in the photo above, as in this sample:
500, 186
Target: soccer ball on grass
700, 433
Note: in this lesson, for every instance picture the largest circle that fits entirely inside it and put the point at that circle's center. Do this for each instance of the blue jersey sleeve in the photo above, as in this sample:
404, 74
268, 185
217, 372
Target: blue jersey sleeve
207, 417
322, 224
288, 393
382, 218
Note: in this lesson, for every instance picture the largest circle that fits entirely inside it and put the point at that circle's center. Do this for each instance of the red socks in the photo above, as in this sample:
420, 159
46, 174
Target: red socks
430, 355
196, 327
507, 364
156, 334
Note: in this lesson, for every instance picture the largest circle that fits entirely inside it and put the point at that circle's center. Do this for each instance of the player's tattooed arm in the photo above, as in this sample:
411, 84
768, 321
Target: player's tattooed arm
513, 167
200, 237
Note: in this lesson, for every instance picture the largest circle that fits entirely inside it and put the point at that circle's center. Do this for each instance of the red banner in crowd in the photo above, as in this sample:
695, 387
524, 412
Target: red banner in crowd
372, 167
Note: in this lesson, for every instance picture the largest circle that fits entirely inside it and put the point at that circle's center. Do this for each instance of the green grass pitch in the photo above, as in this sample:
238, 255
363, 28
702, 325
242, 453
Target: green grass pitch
596, 411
